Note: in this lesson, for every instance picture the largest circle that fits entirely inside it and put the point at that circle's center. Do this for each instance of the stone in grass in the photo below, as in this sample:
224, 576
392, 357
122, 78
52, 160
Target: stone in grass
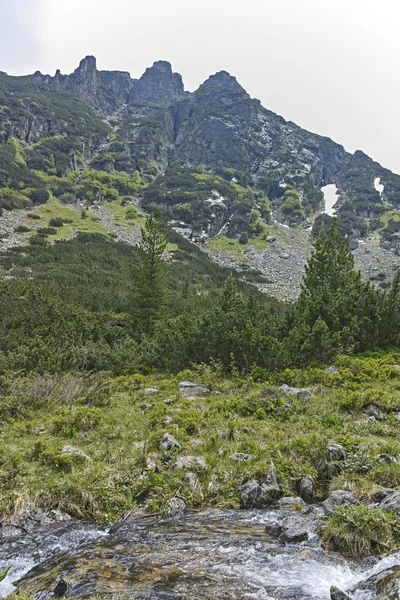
291, 503
151, 391
191, 463
76, 453
336, 452
307, 489
168, 442
338, 498
187, 388
240, 457
332, 370
299, 392
261, 492
373, 411
391, 502
175, 508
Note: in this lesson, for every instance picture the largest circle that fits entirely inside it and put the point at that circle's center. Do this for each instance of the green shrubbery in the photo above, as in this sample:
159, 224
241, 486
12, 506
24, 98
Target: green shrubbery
363, 530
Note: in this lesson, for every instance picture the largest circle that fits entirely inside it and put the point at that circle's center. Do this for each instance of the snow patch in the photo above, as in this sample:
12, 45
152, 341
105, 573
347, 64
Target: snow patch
379, 186
330, 196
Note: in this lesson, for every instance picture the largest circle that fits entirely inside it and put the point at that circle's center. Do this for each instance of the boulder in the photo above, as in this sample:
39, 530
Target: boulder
151, 461
307, 489
299, 392
168, 442
192, 481
175, 508
29, 519
332, 370
298, 532
270, 239
187, 388
384, 585
336, 452
338, 498
151, 391
386, 458
373, 411
337, 594
76, 453
391, 502
288, 502
191, 463
240, 457
261, 492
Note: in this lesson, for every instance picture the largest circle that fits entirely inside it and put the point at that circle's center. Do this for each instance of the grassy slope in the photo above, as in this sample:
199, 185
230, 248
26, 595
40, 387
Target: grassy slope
124, 431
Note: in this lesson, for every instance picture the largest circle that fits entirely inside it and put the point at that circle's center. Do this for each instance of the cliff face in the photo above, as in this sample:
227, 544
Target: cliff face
218, 127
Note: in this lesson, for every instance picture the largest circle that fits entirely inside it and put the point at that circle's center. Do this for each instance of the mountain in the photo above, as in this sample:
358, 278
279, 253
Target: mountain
214, 161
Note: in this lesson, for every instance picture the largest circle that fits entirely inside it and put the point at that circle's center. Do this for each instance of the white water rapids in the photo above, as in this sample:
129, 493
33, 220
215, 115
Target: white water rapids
228, 551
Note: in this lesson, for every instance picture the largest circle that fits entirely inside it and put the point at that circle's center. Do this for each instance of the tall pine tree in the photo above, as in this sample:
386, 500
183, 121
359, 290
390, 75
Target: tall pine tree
336, 311
149, 274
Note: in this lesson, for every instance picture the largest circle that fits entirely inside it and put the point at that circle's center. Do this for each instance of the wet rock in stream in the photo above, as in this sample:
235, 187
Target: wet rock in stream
222, 554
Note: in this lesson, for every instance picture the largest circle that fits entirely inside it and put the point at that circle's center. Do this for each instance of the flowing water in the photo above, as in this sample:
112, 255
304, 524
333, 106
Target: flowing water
222, 554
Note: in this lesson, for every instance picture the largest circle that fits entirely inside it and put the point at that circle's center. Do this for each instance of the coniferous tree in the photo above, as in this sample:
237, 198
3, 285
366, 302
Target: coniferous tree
336, 311
149, 270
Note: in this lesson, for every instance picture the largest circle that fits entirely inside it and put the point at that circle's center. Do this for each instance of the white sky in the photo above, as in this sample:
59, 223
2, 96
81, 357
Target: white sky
332, 66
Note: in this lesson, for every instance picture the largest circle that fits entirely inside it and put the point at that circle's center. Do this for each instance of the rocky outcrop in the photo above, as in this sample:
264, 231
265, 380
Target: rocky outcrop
338, 498
262, 491
157, 86
168, 443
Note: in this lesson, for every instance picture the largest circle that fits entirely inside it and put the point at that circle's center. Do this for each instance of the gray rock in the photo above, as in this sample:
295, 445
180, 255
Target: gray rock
274, 528
187, 388
386, 458
338, 498
295, 534
373, 411
77, 453
307, 489
299, 392
353, 244
175, 508
386, 245
168, 442
386, 583
261, 492
151, 461
337, 594
31, 518
336, 452
241, 457
332, 370
290, 502
285, 255
150, 391
191, 463
192, 481
10, 532
270, 239
298, 528
391, 502
167, 421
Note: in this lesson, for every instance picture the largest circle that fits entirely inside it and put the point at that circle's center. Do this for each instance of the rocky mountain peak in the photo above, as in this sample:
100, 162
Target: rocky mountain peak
222, 81
87, 71
158, 85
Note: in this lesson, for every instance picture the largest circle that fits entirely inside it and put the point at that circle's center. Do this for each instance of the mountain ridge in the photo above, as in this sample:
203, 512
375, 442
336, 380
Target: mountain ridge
214, 161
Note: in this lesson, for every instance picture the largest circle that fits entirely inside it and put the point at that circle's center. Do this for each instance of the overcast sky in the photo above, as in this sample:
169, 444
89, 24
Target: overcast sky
332, 66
